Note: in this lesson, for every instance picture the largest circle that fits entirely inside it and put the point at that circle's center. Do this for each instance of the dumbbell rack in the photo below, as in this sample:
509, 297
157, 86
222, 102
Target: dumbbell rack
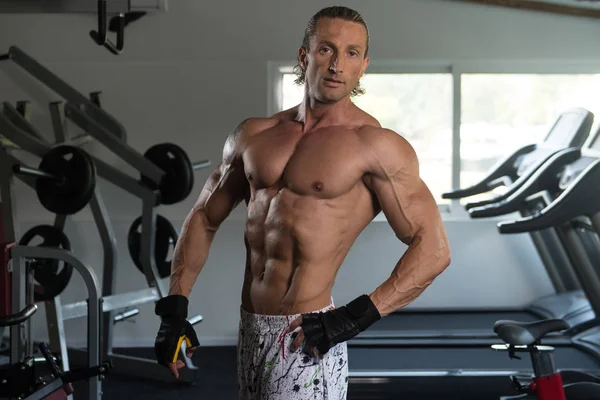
98, 125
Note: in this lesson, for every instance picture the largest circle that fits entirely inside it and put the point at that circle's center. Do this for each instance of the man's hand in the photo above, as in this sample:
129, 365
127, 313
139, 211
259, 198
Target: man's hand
321, 331
174, 330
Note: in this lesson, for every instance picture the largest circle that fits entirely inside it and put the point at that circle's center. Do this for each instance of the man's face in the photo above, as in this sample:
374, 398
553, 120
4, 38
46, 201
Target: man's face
336, 59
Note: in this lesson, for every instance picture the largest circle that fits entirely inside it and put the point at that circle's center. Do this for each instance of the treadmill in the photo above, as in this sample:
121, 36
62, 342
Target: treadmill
577, 184
577, 212
568, 133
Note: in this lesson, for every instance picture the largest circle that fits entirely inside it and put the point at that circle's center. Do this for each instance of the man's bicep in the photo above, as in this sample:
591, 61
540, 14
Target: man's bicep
407, 204
404, 198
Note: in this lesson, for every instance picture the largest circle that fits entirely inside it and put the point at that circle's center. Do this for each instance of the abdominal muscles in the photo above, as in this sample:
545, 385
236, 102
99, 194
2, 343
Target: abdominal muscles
295, 246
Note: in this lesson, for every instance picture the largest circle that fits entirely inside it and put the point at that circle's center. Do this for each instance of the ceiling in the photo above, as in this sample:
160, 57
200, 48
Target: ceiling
576, 8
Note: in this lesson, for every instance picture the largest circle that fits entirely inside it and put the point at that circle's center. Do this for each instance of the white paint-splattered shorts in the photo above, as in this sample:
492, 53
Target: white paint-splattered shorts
268, 370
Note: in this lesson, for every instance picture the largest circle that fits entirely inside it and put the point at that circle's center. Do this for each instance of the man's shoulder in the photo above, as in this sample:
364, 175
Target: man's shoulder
387, 148
379, 137
254, 125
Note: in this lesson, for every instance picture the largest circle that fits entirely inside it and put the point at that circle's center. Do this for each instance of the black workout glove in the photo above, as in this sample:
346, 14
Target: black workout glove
174, 329
325, 330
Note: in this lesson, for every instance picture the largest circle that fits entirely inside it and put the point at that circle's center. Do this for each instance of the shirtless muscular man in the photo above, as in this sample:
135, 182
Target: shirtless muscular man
312, 178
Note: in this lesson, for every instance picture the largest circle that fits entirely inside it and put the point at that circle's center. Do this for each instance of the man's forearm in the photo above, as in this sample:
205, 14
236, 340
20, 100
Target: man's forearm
415, 271
191, 252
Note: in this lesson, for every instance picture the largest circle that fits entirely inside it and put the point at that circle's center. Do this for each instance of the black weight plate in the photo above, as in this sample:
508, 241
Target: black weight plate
178, 180
165, 235
51, 279
75, 191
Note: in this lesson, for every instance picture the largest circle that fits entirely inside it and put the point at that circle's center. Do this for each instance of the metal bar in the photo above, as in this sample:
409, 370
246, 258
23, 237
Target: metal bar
21, 122
562, 263
548, 261
112, 303
59, 127
21, 138
126, 152
90, 280
456, 123
124, 181
588, 277
196, 319
19, 169
10, 160
126, 314
109, 281
140, 367
200, 164
29, 282
56, 331
63, 89
136, 366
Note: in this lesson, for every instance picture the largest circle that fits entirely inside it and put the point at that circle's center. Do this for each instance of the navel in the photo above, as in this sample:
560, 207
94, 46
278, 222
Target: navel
318, 186
250, 177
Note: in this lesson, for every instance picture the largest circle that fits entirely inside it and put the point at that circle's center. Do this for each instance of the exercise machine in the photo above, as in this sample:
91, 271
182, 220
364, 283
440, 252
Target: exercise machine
166, 177
568, 133
547, 383
577, 206
577, 348
21, 377
23, 380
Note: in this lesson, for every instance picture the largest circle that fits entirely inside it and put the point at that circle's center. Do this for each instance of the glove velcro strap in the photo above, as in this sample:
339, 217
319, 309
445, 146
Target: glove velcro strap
174, 305
362, 312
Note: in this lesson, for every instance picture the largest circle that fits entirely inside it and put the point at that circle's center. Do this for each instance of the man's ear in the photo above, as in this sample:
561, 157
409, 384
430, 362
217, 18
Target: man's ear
365, 66
302, 57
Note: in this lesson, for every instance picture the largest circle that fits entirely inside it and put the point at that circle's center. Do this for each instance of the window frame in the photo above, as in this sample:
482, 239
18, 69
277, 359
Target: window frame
452, 210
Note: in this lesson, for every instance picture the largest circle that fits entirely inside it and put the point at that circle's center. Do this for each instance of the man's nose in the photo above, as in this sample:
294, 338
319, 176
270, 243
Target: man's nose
336, 66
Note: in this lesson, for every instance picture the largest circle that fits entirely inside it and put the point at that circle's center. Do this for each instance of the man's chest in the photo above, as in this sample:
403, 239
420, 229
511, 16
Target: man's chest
325, 163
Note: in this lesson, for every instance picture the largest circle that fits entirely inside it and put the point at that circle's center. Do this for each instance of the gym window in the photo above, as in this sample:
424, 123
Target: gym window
461, 119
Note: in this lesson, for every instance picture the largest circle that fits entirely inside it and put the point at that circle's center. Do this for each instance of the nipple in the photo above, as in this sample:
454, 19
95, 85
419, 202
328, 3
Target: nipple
318, 186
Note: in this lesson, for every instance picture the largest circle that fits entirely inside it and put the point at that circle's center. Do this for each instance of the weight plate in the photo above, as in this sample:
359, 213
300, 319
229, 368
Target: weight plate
51, 276
165, 236
74, 192
178, 181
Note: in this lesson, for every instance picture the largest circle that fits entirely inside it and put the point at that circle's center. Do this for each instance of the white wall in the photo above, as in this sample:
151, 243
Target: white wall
191, 75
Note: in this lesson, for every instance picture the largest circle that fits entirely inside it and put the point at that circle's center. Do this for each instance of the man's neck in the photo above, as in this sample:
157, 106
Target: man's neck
313, 114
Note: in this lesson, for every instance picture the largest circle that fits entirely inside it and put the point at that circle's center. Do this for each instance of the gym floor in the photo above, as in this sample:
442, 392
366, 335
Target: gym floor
218, 381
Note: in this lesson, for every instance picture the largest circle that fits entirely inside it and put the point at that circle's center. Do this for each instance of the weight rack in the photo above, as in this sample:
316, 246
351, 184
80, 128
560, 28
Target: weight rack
20, 274
97, 124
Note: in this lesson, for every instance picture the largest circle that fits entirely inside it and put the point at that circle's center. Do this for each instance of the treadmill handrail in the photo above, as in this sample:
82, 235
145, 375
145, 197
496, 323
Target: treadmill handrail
539, 180
517, 183
503, 168
582, 197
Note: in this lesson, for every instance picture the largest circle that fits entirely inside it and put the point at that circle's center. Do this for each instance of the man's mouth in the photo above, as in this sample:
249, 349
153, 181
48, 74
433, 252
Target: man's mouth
332, 82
